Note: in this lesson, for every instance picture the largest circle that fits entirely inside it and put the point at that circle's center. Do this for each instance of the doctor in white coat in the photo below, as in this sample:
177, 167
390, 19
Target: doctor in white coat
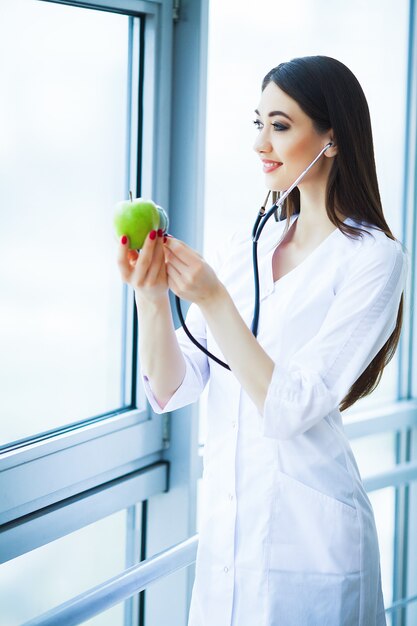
287, 533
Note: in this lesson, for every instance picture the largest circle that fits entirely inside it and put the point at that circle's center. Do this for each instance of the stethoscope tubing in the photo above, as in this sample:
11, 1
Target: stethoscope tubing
258, 227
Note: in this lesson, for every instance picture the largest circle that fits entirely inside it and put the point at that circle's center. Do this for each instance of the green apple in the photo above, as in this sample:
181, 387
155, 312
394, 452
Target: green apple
135, 219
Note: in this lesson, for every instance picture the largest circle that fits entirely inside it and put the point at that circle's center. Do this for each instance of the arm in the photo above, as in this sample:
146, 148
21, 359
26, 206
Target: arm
197, 370
246, 358
358, 324
162, 361
174, 371
160, 355
194, 280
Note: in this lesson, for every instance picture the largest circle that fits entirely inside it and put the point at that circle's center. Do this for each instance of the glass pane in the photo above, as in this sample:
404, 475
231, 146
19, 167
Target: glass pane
374, 454
280, 33
412, 544
63, 161
39, 580
200, 487
165, 600
385, 393
383, 504
411, 611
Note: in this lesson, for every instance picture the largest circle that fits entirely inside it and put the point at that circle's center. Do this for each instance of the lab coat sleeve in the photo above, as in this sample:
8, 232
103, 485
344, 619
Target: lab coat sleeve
197, 367
360, 320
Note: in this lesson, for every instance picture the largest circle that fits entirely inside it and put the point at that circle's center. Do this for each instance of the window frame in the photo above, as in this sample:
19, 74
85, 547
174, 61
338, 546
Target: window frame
51, 467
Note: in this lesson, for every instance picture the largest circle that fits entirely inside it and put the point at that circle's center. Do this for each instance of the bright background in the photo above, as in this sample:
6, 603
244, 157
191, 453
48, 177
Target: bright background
62, 162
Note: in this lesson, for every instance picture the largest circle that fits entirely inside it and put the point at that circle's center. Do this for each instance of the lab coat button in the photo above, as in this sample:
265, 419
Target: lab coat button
230, 496
226, 569
233, 424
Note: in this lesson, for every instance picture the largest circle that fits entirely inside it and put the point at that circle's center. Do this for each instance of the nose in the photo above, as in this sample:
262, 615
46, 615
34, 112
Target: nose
262, 143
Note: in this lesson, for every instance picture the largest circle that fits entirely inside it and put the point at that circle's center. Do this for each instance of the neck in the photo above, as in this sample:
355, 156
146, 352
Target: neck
312, 224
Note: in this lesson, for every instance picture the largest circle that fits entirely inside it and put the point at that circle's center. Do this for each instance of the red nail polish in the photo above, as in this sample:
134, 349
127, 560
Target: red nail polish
165, 238
152, 234
160, 233
124, 240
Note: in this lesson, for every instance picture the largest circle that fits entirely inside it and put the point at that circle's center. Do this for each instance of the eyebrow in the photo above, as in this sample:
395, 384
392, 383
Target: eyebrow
274, 113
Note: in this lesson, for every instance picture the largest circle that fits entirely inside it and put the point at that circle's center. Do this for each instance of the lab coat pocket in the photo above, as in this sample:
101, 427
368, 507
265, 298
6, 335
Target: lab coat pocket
312, 532
305, 599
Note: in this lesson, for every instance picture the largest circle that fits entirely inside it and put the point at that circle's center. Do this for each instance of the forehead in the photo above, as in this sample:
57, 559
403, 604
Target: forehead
274, 99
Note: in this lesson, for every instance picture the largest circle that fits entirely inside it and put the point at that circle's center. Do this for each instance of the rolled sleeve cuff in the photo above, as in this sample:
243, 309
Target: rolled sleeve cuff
187, 392
295, 401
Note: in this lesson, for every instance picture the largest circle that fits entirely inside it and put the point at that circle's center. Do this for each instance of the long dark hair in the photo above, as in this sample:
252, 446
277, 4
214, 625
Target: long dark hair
329, 93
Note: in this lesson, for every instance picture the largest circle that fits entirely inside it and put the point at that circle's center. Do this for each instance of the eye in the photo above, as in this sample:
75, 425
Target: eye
278, 126
258, 124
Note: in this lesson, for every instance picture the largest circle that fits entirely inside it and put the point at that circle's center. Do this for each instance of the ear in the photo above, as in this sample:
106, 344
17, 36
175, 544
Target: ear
332, 151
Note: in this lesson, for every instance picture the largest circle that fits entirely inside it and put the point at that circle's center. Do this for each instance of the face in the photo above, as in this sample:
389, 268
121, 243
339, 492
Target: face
287, 141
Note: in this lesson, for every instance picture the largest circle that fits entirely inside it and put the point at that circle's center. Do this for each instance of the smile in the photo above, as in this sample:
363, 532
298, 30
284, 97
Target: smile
270, 166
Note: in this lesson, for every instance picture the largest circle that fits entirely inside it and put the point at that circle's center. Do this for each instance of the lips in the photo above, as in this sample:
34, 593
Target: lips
270, 166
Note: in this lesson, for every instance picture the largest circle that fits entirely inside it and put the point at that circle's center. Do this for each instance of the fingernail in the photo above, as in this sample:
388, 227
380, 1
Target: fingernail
160, 232
124, 240
152, 234
169, 235
165, 238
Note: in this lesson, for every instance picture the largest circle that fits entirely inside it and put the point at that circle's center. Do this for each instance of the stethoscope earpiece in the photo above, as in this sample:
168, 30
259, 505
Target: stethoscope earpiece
261, 220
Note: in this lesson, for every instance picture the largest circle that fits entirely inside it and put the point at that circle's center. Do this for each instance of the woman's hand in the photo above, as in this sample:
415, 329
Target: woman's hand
145, 271
189, 276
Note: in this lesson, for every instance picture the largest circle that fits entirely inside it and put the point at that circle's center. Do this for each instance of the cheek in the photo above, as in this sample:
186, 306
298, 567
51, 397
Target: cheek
297, 147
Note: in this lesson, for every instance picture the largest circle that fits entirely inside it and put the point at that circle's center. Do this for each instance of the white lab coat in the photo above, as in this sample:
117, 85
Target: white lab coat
287, 534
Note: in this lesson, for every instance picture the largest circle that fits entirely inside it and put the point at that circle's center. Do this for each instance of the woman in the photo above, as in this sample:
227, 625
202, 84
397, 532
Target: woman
287, 533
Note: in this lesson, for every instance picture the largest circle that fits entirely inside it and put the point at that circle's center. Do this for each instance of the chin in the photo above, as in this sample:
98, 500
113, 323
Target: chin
276, 185
277, 188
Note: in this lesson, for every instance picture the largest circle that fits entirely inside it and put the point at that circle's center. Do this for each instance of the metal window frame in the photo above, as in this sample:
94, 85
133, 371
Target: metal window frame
67, 516
404, 576
120, 587
138, 577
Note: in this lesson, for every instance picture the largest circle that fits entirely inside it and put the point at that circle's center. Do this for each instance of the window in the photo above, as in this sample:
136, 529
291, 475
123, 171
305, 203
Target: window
64, 163
78, 122
37, 581
77, 452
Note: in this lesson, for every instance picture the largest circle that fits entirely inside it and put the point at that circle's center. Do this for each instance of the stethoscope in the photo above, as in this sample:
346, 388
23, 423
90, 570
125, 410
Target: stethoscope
258, 227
